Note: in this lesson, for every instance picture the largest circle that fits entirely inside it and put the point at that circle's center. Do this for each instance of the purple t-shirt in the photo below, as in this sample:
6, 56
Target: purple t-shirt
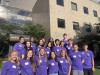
20, 48
48, 50
26, 68
33, 45
41, 69
69, 49
57, 50
63, 66
52, 66
10, 68
76, 58
87, 55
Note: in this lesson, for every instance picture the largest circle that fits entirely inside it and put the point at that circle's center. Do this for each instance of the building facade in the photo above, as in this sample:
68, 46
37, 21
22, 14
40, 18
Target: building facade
74, 17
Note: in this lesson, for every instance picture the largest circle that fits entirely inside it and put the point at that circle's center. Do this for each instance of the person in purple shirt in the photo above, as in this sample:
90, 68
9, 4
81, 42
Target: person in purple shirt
53, 68
64, 63
11, 67
41, 63
48, 49
28, 46
65, 40
40, 44
69, 47
62, 45
20, 47
57, 47
88, 65
77, 61
27, 64
33, 45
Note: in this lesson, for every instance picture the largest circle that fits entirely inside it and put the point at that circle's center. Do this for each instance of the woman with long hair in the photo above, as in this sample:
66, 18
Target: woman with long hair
64, 63
53, 64
41, 63
11, 67
27, 64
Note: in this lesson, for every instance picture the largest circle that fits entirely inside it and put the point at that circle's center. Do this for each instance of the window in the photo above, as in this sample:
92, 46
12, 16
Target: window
74, 6
60, 2
88, 27
75, 25
61, 23
0, 1
95, 13
85, 10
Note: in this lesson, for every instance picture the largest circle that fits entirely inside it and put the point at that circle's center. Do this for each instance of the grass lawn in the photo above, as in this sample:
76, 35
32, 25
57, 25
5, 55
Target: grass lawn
97, 70
0, 65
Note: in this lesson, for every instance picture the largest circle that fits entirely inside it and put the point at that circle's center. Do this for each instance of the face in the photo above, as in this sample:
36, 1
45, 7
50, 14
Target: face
62, 43
70, 42
85, 47
63, 53
75, 48
29, 54
28, 44
22, 40
53, 55
41, 42
57, 42
65, 36
14, 56
42, 52
32, 39
49, 44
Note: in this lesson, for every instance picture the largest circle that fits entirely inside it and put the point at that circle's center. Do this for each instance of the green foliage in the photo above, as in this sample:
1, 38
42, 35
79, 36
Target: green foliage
37, 30
7, 28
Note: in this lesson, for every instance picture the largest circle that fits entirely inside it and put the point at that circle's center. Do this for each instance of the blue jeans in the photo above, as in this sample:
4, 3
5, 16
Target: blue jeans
77, 72
54, 74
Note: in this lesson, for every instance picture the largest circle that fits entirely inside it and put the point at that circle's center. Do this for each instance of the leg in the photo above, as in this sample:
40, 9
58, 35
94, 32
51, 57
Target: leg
74, 72
80, 72
85, 71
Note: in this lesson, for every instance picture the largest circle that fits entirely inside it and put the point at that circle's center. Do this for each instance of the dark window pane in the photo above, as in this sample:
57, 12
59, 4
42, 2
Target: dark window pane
60, 2
74, 6
21, 12
88, 27
75, 25
95, 13
61, 23
85, 10
0, 1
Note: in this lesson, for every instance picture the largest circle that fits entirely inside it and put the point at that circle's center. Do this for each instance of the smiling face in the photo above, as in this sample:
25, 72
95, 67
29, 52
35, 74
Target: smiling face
21, 40
49, 44
42, 52
41, 42
53, 56
75, 47
63, 53
28, 44
29, 54
14, 56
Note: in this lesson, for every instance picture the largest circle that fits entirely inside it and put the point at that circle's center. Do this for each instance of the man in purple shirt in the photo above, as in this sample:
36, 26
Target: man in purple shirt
65, 40
77, 61
88, 65
20, 47
57, 48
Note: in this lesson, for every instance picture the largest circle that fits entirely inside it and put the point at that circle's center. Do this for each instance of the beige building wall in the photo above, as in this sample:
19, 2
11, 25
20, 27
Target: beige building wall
70, 15
40, 15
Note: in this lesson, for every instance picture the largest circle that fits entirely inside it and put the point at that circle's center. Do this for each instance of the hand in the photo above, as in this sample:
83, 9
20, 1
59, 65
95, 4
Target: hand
22, 56
93, 69
68, 74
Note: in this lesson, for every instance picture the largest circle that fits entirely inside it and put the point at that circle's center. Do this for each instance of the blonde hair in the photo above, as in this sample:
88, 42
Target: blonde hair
66, 56
9, 57
39, 57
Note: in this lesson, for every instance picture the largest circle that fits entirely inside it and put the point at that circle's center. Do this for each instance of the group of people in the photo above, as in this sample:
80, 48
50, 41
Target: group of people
59, 57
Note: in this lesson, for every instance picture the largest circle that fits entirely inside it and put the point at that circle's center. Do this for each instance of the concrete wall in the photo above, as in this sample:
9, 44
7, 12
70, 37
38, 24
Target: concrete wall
40, 14
70, 15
